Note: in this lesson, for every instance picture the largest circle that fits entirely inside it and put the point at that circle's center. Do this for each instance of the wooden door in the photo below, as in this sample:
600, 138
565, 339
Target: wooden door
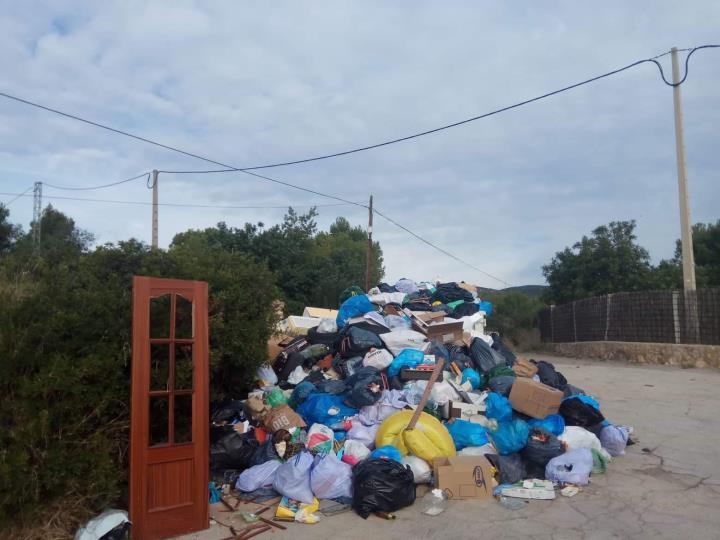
169, 419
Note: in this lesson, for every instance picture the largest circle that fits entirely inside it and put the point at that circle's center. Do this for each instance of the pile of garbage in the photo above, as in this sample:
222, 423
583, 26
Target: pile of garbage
402, 386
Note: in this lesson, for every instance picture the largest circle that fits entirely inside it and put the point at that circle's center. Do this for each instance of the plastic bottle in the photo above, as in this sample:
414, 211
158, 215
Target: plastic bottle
434, 502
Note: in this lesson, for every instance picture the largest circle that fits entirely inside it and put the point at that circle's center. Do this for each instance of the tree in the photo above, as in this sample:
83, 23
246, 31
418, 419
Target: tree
9, 233
608, 261
514, 313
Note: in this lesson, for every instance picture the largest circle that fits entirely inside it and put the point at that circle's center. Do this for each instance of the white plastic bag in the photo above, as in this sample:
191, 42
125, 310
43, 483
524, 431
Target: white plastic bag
354, 451
99, 526
363, 434
378, 358
573, 467
422, 474
614, 439
297, 375
397, 340
331, 478
292, 478
387, 298
478, 450
327, 326
258, 476
266, 374
576, 437
320, 439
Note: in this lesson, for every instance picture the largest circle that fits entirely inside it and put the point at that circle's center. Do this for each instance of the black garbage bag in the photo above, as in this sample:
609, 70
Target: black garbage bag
321, 338
541, 447
503, 349
464, 310
459, 357
418, 305
510, 468
451, 292
548, 375
438, 350
227, 411
384, 287
442, 307
265, 452
296, 345
382, 485
502, 384
357, 341
347, 366
365, 387
330, 386
395, 383
571, 390
577, 413
484, 357
233, 451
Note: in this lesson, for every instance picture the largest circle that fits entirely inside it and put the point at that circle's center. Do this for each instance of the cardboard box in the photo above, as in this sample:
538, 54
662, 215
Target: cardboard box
533, 398
465, 411
444, 332
524, 368
320, 313
464, 477
297, 326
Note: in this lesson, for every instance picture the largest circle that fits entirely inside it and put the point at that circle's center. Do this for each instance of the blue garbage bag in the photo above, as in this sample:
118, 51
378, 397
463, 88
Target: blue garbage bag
327, 409
469, 374
498, 407
387, 452
466, 433
300, 393
408, 358
486, 306
554, 423
510, 437
353, 307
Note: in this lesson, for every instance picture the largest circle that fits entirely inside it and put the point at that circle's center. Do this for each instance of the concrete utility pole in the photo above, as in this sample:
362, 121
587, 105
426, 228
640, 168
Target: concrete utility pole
155, 209
37, 214
688, 258
368, 260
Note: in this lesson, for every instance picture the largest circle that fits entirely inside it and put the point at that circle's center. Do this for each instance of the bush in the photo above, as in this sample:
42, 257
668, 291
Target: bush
65, 350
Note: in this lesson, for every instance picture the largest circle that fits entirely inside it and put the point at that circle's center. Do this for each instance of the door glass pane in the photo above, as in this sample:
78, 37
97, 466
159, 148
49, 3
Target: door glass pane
160, 316
183, 318
183, 419
158, 420
183, 366
159, 367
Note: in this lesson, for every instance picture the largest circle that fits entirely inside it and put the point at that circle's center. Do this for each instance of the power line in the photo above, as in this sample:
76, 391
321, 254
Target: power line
441, 250
183, 205
69, 188
229, 168
17, 196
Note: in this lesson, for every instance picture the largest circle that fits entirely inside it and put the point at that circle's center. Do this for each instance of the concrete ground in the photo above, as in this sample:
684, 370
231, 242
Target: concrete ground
666, 486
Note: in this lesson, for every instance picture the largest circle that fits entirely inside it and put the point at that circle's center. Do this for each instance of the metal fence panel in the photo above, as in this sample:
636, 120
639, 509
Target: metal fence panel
647, 316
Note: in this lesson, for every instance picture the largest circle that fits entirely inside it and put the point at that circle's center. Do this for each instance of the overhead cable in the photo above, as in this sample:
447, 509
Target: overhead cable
228, 168
17, 196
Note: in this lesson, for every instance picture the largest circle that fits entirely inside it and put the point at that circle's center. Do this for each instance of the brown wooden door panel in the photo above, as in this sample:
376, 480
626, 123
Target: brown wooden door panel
169, 436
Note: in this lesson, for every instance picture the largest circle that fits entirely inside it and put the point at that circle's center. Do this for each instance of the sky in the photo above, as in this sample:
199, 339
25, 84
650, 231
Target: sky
254, 82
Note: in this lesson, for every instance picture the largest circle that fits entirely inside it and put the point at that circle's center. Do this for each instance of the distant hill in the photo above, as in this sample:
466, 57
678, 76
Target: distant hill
531, 290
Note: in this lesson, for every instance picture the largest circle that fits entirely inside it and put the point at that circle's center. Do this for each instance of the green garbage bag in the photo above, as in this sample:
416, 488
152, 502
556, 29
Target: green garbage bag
500, 370
276, 398
600, 462
353, 290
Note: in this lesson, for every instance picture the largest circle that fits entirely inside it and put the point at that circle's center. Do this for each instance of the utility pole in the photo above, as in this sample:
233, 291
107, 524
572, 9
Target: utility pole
37, 215
688, 258
155, 209
368, 261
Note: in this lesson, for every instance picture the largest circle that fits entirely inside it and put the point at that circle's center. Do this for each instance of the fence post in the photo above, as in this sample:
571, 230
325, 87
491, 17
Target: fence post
552, 324
607, 315
676, 316
574, 323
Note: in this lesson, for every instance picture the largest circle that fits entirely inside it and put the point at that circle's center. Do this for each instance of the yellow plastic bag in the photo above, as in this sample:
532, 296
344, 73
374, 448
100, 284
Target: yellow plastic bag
429, 438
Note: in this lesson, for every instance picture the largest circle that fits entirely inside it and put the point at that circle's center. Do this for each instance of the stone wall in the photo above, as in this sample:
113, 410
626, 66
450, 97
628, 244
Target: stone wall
700, 356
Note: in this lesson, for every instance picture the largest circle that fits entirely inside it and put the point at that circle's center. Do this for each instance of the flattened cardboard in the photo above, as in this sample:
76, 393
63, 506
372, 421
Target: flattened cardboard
282, 417
464, 477
465, 411
533, 398
276, 344
524, 368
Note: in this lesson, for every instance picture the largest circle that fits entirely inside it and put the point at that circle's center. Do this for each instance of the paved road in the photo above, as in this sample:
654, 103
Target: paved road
672, 491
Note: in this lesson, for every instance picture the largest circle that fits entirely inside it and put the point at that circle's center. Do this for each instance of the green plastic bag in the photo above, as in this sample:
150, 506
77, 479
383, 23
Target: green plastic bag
500, 370
276, 398
353, 290
600, 462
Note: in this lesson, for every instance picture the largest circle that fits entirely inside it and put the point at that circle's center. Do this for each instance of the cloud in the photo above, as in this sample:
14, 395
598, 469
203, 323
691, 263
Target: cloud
251, 83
